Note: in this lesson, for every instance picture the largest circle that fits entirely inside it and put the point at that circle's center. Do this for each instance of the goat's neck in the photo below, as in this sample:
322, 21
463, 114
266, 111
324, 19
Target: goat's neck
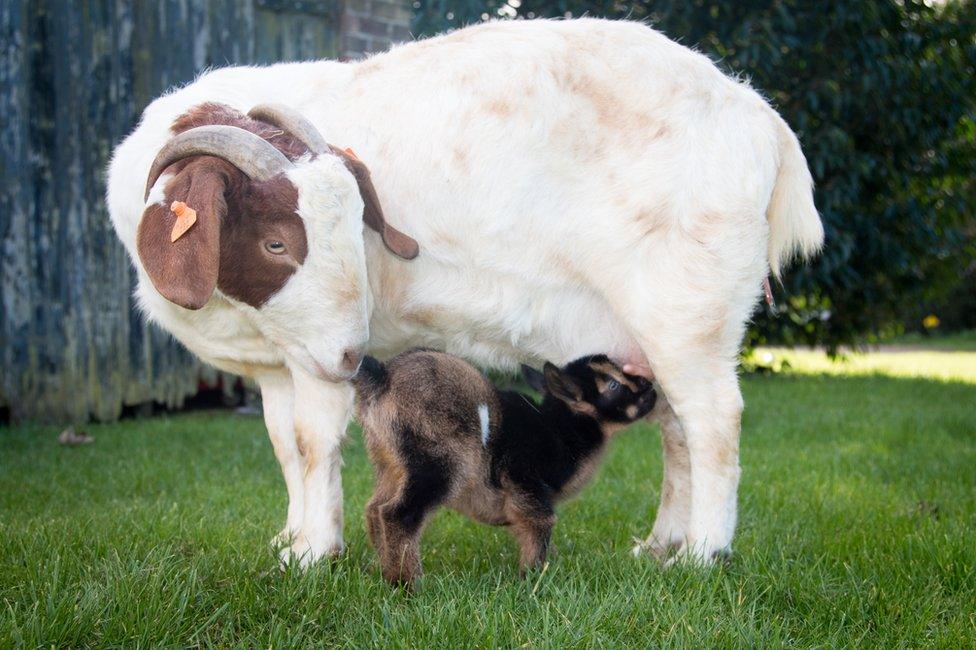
579, 434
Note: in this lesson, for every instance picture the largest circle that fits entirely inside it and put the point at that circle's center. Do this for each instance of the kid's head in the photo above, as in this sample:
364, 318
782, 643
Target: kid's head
597, 387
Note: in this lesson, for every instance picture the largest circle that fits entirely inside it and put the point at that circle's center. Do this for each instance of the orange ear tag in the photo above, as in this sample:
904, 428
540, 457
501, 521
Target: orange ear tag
352, 153
185, 218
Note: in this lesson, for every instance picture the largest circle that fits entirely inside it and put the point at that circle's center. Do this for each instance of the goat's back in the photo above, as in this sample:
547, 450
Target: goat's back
435, 395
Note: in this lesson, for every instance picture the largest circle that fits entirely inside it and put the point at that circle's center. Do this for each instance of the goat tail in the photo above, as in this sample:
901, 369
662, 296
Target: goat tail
795, 229
372, 378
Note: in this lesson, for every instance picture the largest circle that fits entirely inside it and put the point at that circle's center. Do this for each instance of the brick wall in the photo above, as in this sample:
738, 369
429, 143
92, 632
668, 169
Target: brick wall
374, 25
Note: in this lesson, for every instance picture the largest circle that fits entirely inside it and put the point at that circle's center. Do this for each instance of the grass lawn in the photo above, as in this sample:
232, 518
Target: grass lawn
857, 521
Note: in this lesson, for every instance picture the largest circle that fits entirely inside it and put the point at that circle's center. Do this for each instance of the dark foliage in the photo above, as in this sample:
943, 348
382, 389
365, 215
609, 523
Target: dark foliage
955, 312
882, 94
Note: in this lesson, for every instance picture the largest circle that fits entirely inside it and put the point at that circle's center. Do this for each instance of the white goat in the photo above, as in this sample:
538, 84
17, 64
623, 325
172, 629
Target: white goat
576, 187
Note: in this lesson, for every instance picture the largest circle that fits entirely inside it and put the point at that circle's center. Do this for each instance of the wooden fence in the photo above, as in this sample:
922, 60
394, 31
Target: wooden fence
74, 77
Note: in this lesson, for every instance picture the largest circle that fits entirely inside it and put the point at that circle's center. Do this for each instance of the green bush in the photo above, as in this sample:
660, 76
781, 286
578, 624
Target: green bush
883, 97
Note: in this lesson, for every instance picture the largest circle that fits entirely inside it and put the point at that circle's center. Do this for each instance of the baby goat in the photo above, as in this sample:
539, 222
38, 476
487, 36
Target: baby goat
439, 433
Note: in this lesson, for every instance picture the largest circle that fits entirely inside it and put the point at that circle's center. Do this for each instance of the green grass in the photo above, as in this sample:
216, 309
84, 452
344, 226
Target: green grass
857, 514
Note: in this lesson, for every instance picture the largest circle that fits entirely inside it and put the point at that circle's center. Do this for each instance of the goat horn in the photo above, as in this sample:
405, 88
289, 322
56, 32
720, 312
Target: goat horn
250, 153
288, 119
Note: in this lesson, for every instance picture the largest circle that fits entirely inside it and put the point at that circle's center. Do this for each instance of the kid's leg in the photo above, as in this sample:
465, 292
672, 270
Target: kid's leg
386, 488
532, 518
402, 520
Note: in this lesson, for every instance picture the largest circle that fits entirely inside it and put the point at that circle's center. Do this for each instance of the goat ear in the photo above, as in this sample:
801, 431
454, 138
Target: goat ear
535, 379
560, 385
185, 271
396, 242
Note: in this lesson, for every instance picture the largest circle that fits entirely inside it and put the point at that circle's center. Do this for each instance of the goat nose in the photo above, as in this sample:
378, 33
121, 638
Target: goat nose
351, 358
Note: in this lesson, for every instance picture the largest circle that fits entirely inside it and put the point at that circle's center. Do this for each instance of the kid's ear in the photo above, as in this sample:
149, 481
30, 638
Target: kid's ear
534, 378
561, 385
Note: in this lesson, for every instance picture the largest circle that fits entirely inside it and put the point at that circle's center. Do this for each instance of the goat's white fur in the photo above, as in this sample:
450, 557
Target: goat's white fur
576, 187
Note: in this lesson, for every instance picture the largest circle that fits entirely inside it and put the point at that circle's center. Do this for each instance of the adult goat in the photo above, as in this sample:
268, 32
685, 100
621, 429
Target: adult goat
575, 187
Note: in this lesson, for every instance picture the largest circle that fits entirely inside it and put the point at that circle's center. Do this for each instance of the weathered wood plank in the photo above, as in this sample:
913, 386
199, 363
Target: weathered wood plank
74, 77
16, 200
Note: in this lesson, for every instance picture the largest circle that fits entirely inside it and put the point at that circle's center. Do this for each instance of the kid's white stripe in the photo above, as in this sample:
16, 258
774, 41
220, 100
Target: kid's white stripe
483, 418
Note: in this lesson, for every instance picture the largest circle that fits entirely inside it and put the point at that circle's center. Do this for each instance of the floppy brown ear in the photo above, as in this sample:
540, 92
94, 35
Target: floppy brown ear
185, 271
396, 242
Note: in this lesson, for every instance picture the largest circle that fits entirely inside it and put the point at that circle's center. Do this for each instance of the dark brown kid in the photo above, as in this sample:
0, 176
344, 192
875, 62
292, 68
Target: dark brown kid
439, 433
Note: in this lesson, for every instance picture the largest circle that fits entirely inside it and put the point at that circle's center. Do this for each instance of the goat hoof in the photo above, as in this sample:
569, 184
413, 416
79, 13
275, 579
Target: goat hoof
655, 548
696, 556
302, 554
285, 537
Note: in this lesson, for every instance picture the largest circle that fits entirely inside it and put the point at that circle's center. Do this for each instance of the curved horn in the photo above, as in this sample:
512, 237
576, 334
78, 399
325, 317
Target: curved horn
288, 119
250, 153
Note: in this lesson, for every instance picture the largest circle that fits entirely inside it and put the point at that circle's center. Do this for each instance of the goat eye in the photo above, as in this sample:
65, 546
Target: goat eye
274, 247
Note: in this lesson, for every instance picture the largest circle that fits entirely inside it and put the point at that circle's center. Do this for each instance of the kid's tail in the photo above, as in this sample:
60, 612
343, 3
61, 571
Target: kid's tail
795, 229
371, 379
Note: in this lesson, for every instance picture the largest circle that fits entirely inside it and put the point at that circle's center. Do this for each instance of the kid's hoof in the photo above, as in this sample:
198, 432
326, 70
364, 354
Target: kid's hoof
534, 571
405, 581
